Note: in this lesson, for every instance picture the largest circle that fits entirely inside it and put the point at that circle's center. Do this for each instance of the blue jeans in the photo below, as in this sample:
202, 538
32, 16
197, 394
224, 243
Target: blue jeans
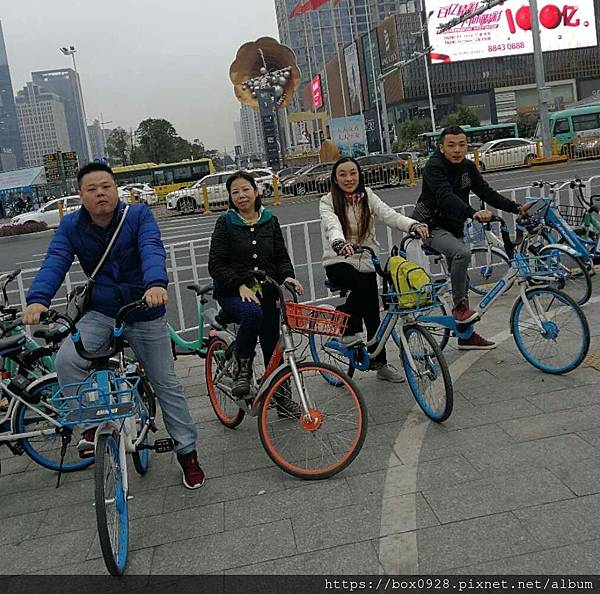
255, 321
152, 345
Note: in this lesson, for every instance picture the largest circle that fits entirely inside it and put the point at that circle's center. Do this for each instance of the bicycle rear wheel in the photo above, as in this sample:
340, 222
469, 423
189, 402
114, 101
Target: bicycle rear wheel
112, 512
488, 266
556, 338
430, 380
45, 449
147, 410
219, 381
577, 281
325, 442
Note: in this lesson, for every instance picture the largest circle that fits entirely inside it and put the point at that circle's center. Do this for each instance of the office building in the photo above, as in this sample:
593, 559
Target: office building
11, 155
251, 132
42, 123
98, 135
66, 84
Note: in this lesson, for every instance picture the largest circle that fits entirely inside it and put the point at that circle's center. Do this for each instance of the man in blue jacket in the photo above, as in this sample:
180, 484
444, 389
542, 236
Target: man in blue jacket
134, 268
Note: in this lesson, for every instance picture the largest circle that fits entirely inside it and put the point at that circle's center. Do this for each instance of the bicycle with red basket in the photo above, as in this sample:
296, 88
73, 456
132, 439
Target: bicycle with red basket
324, 431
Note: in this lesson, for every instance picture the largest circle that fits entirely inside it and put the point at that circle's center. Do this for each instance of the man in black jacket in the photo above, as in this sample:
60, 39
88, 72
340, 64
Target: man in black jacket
448, 180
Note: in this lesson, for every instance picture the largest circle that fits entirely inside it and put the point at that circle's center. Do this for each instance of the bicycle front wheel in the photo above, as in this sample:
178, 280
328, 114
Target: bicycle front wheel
112, 513
551, 331
323, 442
488, 266
322, 353
45, 449
429, 380
577, 281
146, 410
219, 381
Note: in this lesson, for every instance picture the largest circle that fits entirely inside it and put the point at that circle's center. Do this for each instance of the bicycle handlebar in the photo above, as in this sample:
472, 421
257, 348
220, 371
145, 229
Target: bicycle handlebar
116, 343
6, 279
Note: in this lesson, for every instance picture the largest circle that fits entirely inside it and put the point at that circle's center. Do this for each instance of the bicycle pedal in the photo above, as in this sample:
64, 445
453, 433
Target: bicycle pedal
163, 446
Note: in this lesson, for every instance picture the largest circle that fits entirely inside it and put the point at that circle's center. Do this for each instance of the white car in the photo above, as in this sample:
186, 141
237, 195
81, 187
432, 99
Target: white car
192, 198
508, 152
143, 193
49, 212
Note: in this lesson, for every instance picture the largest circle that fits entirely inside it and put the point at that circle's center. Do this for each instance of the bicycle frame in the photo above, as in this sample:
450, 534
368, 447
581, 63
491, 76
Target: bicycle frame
197, 346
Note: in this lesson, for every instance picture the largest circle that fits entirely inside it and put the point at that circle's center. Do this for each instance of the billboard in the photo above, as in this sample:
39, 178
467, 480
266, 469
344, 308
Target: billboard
353, 71
505, 30
349, 135
316, 91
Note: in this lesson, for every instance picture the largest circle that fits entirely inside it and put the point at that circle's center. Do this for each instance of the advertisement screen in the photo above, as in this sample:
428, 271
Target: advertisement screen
317, 95
505, 30
349, 135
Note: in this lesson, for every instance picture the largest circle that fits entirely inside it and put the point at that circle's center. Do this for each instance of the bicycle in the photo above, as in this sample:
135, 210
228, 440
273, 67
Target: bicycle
121, 405
30, 422
422, 359
490, 261
531, 318
307, 430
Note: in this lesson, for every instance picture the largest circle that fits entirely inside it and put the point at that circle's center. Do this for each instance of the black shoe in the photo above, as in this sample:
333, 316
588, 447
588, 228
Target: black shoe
242, 377
286, 407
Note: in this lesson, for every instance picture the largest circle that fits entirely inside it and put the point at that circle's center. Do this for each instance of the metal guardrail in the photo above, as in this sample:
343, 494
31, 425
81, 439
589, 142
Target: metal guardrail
187, 261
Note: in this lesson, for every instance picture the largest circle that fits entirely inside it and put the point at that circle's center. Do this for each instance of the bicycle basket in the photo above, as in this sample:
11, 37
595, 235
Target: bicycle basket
84, 403
312, 319
573, 215
538, 266
421, 299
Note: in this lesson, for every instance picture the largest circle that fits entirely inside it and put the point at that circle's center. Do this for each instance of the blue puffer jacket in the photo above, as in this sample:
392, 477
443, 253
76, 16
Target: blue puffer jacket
136, 261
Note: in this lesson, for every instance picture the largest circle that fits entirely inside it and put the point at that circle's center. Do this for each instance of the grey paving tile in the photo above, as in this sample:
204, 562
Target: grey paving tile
564, 399
581, 476
225, 550
471, 541
485, 414
577, 559
563, 522
361, 522
564, 448
592, 436
45, 552
305, 500
353, 559
32, 479
245, 460
20, 528
554, 423
494, 495
225, 488
410, 479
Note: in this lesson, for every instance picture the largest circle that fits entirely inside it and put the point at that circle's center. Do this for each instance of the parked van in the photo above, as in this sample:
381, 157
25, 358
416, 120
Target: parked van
572, 125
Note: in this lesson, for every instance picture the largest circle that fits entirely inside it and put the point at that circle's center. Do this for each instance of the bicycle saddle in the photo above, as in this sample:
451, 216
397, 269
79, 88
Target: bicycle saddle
223, 319
200, 290
12, 343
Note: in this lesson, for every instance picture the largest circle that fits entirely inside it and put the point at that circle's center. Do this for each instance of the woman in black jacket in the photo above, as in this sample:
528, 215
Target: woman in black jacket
248, 238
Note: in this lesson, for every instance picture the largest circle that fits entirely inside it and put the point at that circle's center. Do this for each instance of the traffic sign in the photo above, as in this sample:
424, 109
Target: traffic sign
59, 166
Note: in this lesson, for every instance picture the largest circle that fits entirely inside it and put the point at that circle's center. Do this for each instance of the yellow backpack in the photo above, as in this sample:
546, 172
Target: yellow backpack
408, 278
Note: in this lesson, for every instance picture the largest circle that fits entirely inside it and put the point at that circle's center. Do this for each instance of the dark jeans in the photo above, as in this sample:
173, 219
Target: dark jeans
362, 303
255, 321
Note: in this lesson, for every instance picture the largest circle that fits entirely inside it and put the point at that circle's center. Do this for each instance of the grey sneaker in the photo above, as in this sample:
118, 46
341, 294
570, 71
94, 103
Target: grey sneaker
388, 373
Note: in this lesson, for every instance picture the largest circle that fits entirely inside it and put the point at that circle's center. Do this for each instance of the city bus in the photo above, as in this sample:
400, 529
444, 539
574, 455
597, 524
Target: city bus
578, 122
476, 136
166, 177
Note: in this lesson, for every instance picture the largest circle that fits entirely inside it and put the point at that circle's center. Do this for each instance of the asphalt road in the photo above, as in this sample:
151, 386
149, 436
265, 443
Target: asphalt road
305, 242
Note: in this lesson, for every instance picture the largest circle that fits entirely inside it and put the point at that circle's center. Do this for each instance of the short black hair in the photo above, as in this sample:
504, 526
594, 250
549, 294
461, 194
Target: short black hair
249, 178
451, 130
91, 167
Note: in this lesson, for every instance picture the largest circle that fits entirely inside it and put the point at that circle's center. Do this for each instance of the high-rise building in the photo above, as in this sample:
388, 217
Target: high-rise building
42, 122
313, 36
11, 155
66, 84
237, 129
251, 129
98, 135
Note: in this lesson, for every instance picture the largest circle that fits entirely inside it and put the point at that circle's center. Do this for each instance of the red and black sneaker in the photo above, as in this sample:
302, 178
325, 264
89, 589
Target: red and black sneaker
463, 315
193, 475
85, 446
475, 343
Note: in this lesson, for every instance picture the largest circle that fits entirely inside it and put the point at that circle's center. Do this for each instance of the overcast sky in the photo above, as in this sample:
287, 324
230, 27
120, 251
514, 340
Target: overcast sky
142, 58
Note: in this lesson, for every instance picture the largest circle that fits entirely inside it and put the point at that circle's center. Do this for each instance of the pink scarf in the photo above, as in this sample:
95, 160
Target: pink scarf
353, 198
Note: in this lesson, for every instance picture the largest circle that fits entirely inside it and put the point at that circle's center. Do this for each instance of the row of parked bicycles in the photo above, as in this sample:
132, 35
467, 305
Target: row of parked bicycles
551, 259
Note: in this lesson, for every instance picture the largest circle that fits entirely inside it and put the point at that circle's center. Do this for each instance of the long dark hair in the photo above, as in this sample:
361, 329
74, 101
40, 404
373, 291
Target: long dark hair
339, 201
248, 177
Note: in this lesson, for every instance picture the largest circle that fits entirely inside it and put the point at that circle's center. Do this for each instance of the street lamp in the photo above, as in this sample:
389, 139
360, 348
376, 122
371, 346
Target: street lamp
70, 51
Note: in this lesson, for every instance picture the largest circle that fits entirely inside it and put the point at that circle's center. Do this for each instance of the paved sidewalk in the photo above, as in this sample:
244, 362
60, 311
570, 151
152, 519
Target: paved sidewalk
509, 484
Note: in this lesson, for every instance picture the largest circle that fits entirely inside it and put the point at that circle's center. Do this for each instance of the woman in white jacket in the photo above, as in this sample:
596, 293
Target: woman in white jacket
347, 218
